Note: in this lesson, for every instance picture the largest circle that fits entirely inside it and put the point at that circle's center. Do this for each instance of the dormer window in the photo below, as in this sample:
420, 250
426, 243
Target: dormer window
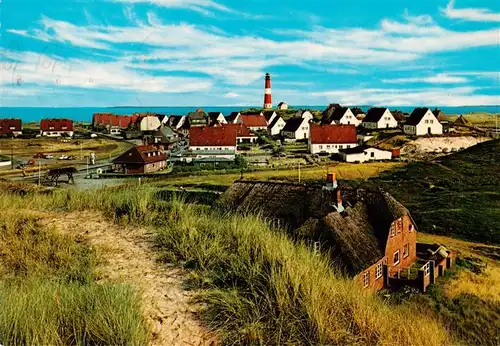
64, 128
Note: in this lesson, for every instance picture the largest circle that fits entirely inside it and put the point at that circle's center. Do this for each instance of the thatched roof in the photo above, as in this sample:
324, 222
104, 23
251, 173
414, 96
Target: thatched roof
357, 238
461, 120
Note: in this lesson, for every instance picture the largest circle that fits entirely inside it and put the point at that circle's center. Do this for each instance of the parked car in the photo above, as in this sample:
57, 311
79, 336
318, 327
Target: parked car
49, 156
63, 157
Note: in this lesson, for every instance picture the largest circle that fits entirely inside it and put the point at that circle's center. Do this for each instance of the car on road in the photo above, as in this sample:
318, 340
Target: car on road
49, 156
63, 157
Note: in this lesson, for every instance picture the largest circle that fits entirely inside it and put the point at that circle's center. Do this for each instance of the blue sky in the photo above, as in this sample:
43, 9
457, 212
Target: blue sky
216, 52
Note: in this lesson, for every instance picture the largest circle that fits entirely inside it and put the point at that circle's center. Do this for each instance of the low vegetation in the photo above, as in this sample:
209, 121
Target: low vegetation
458, 196
48, 292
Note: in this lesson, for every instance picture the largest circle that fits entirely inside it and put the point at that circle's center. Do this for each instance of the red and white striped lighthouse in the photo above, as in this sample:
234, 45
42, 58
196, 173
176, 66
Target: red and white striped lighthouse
268, 103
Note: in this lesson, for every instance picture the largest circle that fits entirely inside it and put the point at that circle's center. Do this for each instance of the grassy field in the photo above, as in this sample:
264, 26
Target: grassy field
344, 171
478, 119
27, 148
458, 196
259, 286
48, 291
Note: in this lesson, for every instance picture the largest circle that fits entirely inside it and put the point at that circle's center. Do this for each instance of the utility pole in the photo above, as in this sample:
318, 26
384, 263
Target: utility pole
81, 151
299, 171
12, 157
87, 165
39, 171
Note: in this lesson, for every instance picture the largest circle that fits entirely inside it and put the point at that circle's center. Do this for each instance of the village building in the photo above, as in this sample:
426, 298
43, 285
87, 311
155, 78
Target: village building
329, 139
197, 118
462, 121
164, 137
283, 106
217, 143
304, 114
115, 130
176, 121
11, 127
233, 117
140, 159
254, 122
109, 121
149, 123
369, 235
56, 127
343, 116
243, 134
276, 126
216, 118
364, 154
296, 128
379, 118
422, 122
269, 115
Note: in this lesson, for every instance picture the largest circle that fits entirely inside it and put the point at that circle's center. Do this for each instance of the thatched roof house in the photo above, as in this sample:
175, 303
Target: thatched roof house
357, 238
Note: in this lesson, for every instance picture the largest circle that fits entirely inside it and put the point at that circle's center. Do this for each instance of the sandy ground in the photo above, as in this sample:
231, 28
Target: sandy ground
432, 144
127, 257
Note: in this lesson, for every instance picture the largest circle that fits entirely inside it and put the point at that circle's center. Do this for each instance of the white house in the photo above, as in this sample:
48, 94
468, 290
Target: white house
283, 106
217, 143
216, 118
343, 116
176, 121
304, 114
296, 128
331, 138
233, 117
149, 123
276, 126
422, 122
269, 115
365, 153
379, 118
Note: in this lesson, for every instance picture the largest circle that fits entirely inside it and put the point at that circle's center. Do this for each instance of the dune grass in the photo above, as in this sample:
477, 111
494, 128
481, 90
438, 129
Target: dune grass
48, 294
260, 287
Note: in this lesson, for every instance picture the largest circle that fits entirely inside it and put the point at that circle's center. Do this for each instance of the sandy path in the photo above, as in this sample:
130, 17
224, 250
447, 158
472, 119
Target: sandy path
127, 257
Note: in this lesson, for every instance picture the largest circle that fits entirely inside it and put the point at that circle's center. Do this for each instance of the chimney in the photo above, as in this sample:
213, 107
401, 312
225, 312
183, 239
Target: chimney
268, 103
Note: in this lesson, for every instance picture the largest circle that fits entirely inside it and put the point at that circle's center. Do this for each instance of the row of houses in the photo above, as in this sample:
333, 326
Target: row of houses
48, 127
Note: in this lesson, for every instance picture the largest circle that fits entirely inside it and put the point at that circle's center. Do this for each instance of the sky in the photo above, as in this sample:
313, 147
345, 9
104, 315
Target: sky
63, 53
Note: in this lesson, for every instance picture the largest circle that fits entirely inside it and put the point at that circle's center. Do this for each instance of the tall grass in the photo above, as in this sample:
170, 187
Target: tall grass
262, 288
48, 295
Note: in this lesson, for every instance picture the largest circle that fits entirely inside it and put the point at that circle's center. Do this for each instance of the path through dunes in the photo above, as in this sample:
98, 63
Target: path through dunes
126, 256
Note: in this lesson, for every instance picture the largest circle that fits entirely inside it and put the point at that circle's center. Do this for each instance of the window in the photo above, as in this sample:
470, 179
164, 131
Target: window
395, 259
410, 227
378, 271
340, 146
393, 230
366, 279
427, 268
321, 147
372, 154
328, 146
406, 250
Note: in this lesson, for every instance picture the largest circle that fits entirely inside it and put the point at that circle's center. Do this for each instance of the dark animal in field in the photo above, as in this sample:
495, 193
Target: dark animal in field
53, 175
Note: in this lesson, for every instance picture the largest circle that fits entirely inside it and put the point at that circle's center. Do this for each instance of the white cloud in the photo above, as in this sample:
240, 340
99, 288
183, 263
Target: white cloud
441, 78
204, 7
231, 95
470, 14
462, 96
420, 20
39, 69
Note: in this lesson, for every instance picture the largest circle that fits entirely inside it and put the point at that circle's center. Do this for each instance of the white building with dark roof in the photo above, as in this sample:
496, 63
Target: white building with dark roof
422, 122
379, 118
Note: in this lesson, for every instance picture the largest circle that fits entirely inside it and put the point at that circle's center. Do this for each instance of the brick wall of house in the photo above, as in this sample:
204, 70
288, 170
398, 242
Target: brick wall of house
374, 282
403, 235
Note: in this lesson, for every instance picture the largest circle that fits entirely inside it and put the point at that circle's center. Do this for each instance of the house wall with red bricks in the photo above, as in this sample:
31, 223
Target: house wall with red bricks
404, 233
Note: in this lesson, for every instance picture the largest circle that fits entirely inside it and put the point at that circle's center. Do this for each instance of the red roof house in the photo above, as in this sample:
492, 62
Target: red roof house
253, 121
243, 134
141, 159
10, 127
331, 138
56, 127
213, 143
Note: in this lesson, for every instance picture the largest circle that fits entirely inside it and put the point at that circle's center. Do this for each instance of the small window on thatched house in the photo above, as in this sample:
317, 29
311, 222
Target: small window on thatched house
406, 250
378, 271
393, 230
396, 258
366, 279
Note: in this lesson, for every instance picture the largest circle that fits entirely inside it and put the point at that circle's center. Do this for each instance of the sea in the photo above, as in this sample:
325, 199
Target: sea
84, 114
